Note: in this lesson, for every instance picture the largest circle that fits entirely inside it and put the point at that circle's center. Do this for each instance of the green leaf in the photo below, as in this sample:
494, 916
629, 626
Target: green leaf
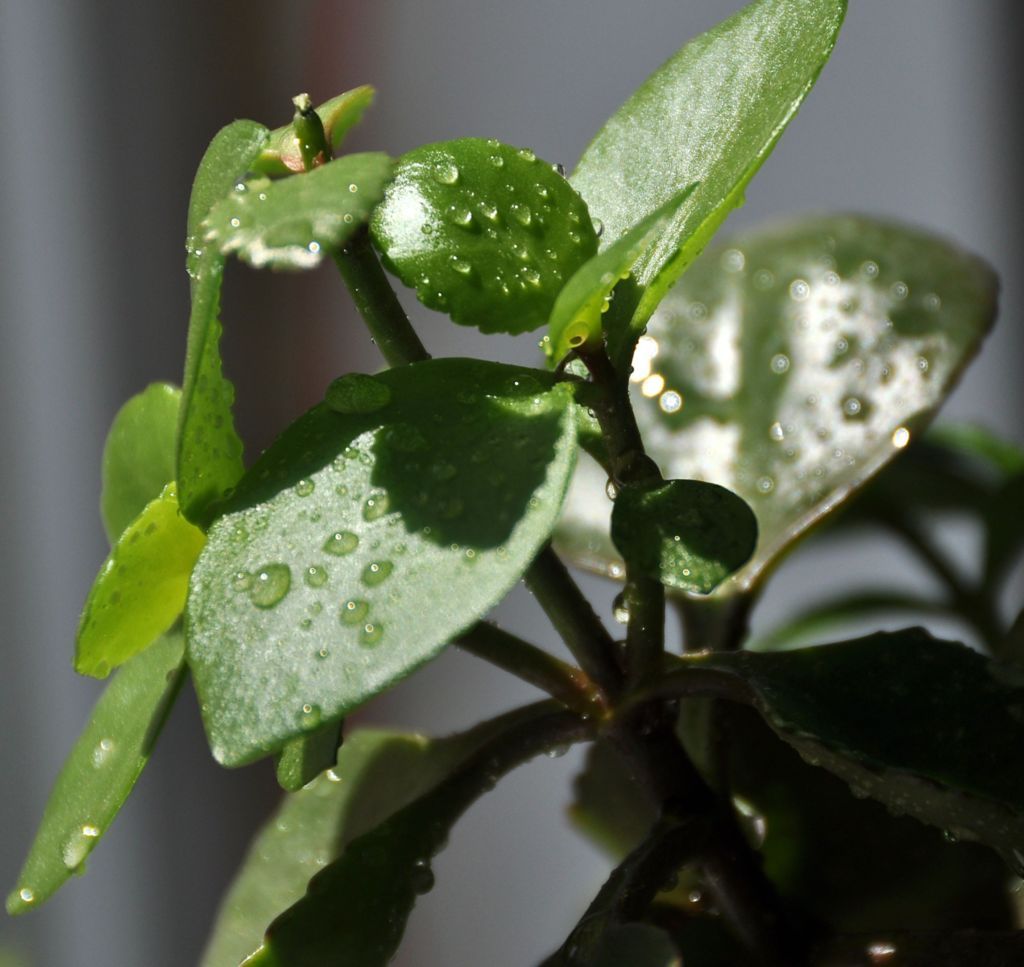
928, 727
140, 589
1004, 457
363, 541
687, 534
101, 770
281, 155
302, 760
292, 223
209, 454
711, 114
638, 945
354, 911
484, 232
138, 458
790, 366
1004, 532
576, 319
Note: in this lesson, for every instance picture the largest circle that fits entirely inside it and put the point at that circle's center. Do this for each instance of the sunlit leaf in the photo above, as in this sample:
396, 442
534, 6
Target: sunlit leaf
140, 589
363, 541
293, 222
209, 455
484, 232
576, 319
101, 770
928, 727
687, 534
789, 367
138, 458
303, 759
712, 114
281, 155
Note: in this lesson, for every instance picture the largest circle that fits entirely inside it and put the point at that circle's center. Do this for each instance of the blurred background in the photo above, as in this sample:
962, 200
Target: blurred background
106, 110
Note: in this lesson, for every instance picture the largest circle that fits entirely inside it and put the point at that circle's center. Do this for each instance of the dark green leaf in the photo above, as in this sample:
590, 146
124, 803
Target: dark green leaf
363, 541
790, 366
101, 770
1004, 518
576, 319
138, 458
141, 588
928, 727
972, 440
281, 155
687, 534
293, 222
354, 911
209, 455
484, 232
302, 760
637, 945
712, 114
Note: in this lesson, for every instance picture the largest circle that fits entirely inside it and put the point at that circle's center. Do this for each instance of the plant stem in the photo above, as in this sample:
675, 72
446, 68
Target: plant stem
377, 303
309, 130
575, 621
526, 661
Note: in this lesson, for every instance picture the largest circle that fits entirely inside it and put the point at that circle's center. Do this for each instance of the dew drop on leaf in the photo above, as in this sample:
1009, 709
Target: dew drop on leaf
341, 543
270, 585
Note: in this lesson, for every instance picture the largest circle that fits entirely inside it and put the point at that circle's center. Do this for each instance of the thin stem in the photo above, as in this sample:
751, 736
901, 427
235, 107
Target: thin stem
560, 680
309, 130
377, 303
575, 621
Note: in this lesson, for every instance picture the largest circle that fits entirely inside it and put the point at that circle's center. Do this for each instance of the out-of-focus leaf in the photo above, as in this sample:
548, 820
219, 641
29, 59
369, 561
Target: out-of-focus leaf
138, 458
141, 588
292, 223
302, 760
281, 155
712, 114
365, 540
209, 454
790, 366
101, 770
483, 232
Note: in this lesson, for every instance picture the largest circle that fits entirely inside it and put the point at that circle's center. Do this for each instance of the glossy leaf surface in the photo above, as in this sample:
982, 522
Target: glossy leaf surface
209, 455
484, 232
138, 458
362, 542
353, 913
101, 770
141, 588
928, 727
576, 319
687, 534
790, 366
281, 155
292, 223
711, 114
302, 760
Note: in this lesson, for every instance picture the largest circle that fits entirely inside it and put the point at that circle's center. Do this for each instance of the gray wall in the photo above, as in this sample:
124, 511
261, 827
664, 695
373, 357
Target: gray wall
105, 112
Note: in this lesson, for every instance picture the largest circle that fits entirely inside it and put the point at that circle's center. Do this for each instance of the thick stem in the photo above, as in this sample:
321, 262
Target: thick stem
377, 303
575, 621
526, 661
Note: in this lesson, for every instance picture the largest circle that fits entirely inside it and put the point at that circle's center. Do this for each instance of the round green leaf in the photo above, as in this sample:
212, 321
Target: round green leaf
362, 542
687, 534
484, 232
138, 458
790, 366
292, 223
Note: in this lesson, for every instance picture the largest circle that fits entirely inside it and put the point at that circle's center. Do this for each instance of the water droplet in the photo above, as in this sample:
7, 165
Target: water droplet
357, 393
620, 610
377, 572
763, 279
852, 408
341, 543
900, 437
522, 214
26, 895
780, 363
950, 836
932, 302
304, 487
776, 432
922, 364
354, 611
489, 212
526, 154
799, 290
611, 489
670, 401
235, 223
101, 754
316, 576
371, 634
461, 266
78, 846
376, 506
881, 952
421, 877
460, 216
765, 485
733, 260
532, 276
900, 290
271, 585
447, 173
557, 751
869, 268
309, 716
653, 385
